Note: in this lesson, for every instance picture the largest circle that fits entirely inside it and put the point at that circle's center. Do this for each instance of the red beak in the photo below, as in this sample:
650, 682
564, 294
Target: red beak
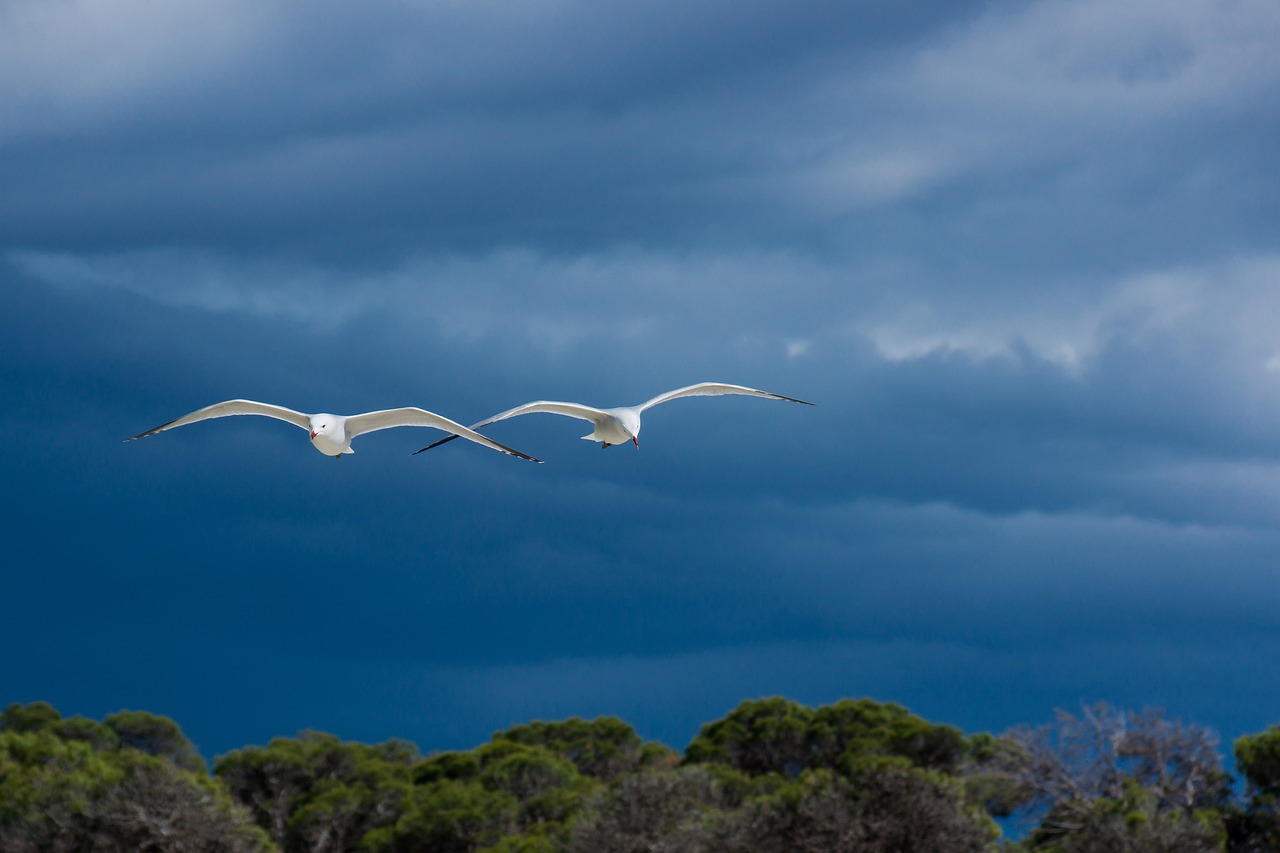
636, 440
313, 435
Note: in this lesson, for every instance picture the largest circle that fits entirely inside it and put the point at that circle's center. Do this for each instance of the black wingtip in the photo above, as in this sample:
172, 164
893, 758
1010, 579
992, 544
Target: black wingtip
448, 438
444, 440
514, 452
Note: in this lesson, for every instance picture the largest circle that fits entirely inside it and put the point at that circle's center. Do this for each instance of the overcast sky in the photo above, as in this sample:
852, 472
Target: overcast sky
1024, 257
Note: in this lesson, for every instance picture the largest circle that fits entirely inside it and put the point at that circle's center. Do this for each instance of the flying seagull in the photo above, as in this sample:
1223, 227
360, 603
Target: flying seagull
332, 434
620, 425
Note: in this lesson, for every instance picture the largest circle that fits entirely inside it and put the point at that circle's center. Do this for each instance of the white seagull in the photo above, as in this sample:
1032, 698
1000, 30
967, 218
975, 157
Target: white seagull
620, 425
332, 434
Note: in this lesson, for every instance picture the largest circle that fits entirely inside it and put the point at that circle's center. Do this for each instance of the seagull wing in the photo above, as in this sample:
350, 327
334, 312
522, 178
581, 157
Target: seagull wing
374, 421
233, 407
715, 389
570, 410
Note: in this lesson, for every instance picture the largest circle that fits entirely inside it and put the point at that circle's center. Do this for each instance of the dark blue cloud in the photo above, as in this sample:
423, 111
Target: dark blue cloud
359, 138
321, 131
1031, 291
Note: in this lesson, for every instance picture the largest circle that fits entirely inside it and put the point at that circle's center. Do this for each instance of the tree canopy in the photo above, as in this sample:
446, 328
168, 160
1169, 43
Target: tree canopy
75, 784
773, 775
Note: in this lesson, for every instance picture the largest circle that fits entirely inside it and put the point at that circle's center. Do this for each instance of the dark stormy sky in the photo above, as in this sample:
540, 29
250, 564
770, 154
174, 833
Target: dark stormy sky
1025, 257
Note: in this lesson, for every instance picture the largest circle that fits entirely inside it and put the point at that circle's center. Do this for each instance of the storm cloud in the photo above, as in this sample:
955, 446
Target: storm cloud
1023, 256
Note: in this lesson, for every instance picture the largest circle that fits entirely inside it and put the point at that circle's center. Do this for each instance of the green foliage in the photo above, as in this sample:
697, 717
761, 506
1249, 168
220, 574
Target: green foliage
446, 765
543, 787
158, 736
34, 717
762, 736
445, 816
522, 791
46, 780
780, 736
547, 786
773, 776
894, 807
523, 771
71, 787
891, 806
95, 734
603, 747
1258, 757
316, 792
1255, 825
851, 732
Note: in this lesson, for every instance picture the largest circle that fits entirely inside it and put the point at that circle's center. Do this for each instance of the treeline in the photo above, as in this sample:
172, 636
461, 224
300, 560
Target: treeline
773, 775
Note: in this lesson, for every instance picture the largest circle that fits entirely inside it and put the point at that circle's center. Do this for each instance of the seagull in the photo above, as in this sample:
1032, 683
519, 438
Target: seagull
620, 425
332, 434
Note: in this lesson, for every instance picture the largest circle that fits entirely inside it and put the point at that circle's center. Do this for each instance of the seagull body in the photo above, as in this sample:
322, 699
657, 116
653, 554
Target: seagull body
620, 425
332, 434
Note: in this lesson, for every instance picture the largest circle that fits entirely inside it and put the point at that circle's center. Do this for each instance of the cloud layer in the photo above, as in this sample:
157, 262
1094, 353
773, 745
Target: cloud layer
1023, 256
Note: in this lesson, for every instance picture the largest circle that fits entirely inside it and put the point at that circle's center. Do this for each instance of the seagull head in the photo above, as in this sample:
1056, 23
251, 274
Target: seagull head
629, 420
323, 425
329, 435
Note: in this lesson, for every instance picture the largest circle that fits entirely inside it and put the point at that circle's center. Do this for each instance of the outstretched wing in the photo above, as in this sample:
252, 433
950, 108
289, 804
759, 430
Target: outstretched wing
570, 410
716, 389
232, 407
374, 421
